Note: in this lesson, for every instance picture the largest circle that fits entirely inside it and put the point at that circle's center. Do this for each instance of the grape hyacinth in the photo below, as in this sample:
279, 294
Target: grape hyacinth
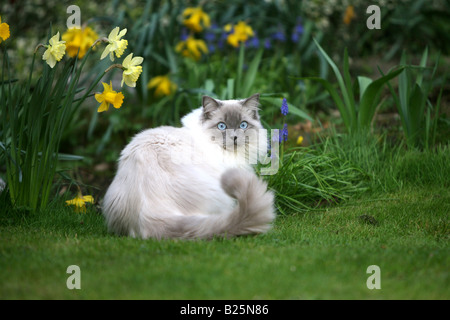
298, 31
279, 36
284, 133
284, 107
284, 111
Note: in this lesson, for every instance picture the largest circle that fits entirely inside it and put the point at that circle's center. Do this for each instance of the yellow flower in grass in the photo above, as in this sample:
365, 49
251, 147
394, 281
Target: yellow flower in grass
163, 86
300, 140
4, 30
132, 70
196, 19
241, 33
80, 202
107, 97
55, 50
349, 15
192, 48
116, 45
79, 41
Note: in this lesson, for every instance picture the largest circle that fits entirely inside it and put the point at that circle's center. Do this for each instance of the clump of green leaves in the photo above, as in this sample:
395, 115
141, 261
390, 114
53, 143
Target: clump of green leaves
357, 115
34, 116
308, 178
418, 115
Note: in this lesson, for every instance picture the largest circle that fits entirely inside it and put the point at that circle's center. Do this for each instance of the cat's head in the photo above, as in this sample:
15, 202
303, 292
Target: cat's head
231, 122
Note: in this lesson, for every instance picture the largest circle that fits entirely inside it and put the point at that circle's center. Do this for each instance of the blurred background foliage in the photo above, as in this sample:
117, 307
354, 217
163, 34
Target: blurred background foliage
275, 60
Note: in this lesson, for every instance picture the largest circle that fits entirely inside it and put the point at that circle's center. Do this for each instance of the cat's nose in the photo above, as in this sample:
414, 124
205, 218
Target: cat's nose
235, 140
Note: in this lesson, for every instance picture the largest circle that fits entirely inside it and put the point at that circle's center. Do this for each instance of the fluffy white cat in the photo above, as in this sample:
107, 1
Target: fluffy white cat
187, 183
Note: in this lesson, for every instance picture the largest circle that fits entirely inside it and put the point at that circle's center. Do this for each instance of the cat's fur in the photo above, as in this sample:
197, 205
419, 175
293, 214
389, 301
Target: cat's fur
181, 183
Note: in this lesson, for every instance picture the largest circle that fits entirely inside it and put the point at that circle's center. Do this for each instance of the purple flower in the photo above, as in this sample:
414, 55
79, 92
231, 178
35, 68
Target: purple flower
211, 48
184, 34
279, 35
267, 44
284, 133
284, 107
298, 31
210, 36
295, 37
253, 42
222, 40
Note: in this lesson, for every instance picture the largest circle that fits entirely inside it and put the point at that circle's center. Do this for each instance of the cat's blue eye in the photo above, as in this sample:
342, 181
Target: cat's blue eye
222, 126
244, 125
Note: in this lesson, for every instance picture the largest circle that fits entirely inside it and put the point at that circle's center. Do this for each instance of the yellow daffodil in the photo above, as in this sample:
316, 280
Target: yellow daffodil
55, 50
241, 33
107, 97
192, 48
349, 15
132, 70
163, 86
300, 140
4, 30
79, 41
116, 45
80, 202
196, 19
228, 27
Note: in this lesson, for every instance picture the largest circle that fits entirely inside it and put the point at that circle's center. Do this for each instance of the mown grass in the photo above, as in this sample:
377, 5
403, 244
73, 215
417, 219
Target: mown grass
396, 217
313, 255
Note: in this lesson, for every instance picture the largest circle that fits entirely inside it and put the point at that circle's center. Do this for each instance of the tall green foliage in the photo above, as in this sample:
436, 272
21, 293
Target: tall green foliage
356, 114
33, 117
418, 115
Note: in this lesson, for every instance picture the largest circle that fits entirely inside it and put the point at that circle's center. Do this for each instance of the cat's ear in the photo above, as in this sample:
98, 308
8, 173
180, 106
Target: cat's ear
209, 105
251, 104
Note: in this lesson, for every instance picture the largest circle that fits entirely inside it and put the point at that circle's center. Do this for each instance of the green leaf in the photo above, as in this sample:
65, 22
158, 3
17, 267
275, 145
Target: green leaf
368, 101
276, 101
251, 74
423, 64
299, 112
350, 110
69, 157
240, 66
348, 83
337, 100
230, 88
416, 111
209, 85
363, 84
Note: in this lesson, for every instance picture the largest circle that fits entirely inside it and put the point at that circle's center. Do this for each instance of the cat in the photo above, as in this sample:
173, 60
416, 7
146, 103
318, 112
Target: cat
187, 182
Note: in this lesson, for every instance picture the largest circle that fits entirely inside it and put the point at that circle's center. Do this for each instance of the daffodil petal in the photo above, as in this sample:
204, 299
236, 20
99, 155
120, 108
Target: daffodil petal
88, 199
154, 82
137, 60
105, 52
118, 100
127, 60
113, 33
129, 82
104, 106
122, 33
99, 97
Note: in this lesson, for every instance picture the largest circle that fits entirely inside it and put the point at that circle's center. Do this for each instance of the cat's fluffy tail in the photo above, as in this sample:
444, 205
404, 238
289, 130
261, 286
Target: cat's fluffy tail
253, 213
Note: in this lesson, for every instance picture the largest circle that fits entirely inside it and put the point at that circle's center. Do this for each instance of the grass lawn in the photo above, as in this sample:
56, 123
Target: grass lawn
315, 255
